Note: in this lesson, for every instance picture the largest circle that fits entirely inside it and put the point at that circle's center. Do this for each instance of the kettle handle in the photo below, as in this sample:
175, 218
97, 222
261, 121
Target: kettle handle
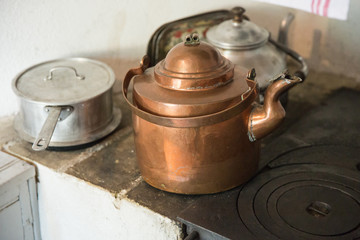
144, 64
284, 28
303, 71
180, 122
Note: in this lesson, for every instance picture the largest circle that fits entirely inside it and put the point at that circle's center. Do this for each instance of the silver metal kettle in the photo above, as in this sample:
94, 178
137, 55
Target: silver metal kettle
249, 45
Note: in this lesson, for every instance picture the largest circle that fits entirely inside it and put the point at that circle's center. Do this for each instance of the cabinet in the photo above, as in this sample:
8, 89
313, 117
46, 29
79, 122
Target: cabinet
19, 217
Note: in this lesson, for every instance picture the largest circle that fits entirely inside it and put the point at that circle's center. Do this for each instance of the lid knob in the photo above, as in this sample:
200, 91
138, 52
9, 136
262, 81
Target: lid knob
238, 14
192, 40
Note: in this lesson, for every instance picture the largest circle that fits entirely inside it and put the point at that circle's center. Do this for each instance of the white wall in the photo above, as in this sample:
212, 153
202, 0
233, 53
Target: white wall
37, 30
70, 208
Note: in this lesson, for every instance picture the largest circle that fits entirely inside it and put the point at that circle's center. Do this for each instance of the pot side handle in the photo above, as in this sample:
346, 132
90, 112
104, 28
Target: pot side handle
43, 139
55, 114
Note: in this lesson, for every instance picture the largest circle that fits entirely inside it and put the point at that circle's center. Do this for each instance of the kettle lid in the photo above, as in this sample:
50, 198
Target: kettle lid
193, 66
237, 33
193, 80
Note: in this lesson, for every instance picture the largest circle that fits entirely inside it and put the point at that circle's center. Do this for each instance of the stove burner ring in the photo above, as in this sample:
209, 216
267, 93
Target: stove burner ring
338, 155
306, 201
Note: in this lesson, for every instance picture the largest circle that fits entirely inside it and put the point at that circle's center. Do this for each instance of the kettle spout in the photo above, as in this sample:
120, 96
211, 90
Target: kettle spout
265, 118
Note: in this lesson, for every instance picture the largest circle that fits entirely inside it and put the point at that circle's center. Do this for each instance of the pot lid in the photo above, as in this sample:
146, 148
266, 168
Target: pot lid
64, 81
238, 33
193, 66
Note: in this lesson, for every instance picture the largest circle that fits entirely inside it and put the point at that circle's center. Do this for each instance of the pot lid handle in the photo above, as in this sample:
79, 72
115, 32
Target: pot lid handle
51, 72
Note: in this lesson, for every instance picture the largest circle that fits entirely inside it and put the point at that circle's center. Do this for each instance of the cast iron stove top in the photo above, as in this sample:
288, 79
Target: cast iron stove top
309, 187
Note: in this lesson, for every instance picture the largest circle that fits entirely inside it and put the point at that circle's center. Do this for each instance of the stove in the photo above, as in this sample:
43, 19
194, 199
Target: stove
308, 186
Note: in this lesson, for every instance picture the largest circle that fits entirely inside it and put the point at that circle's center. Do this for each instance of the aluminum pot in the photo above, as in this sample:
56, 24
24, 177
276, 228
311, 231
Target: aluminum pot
249, 45
65, 102
196, 122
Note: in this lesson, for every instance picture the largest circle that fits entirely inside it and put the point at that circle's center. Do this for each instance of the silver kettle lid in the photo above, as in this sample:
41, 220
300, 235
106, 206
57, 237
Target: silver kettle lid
237, 33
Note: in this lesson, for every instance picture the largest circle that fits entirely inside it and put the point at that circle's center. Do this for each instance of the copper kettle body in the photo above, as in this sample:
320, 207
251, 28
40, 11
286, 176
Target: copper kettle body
196, 123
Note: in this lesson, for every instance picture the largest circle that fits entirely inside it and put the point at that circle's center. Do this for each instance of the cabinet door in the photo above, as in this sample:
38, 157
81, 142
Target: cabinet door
18, 203
11, 227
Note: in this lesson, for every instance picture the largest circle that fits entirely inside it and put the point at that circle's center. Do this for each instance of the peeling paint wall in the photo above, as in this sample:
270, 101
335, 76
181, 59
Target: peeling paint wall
37, 30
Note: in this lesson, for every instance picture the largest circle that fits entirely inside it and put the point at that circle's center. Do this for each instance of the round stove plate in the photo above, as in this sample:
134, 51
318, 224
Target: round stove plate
302, 201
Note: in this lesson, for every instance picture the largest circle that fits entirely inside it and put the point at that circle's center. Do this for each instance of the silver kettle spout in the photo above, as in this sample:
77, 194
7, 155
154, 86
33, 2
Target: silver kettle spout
284, 28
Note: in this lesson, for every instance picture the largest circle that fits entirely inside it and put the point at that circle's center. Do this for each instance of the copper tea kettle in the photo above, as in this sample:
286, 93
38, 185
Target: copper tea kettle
196, 122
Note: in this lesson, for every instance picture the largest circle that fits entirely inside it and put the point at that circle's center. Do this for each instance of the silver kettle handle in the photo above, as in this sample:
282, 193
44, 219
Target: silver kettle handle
284, 28
304, 70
